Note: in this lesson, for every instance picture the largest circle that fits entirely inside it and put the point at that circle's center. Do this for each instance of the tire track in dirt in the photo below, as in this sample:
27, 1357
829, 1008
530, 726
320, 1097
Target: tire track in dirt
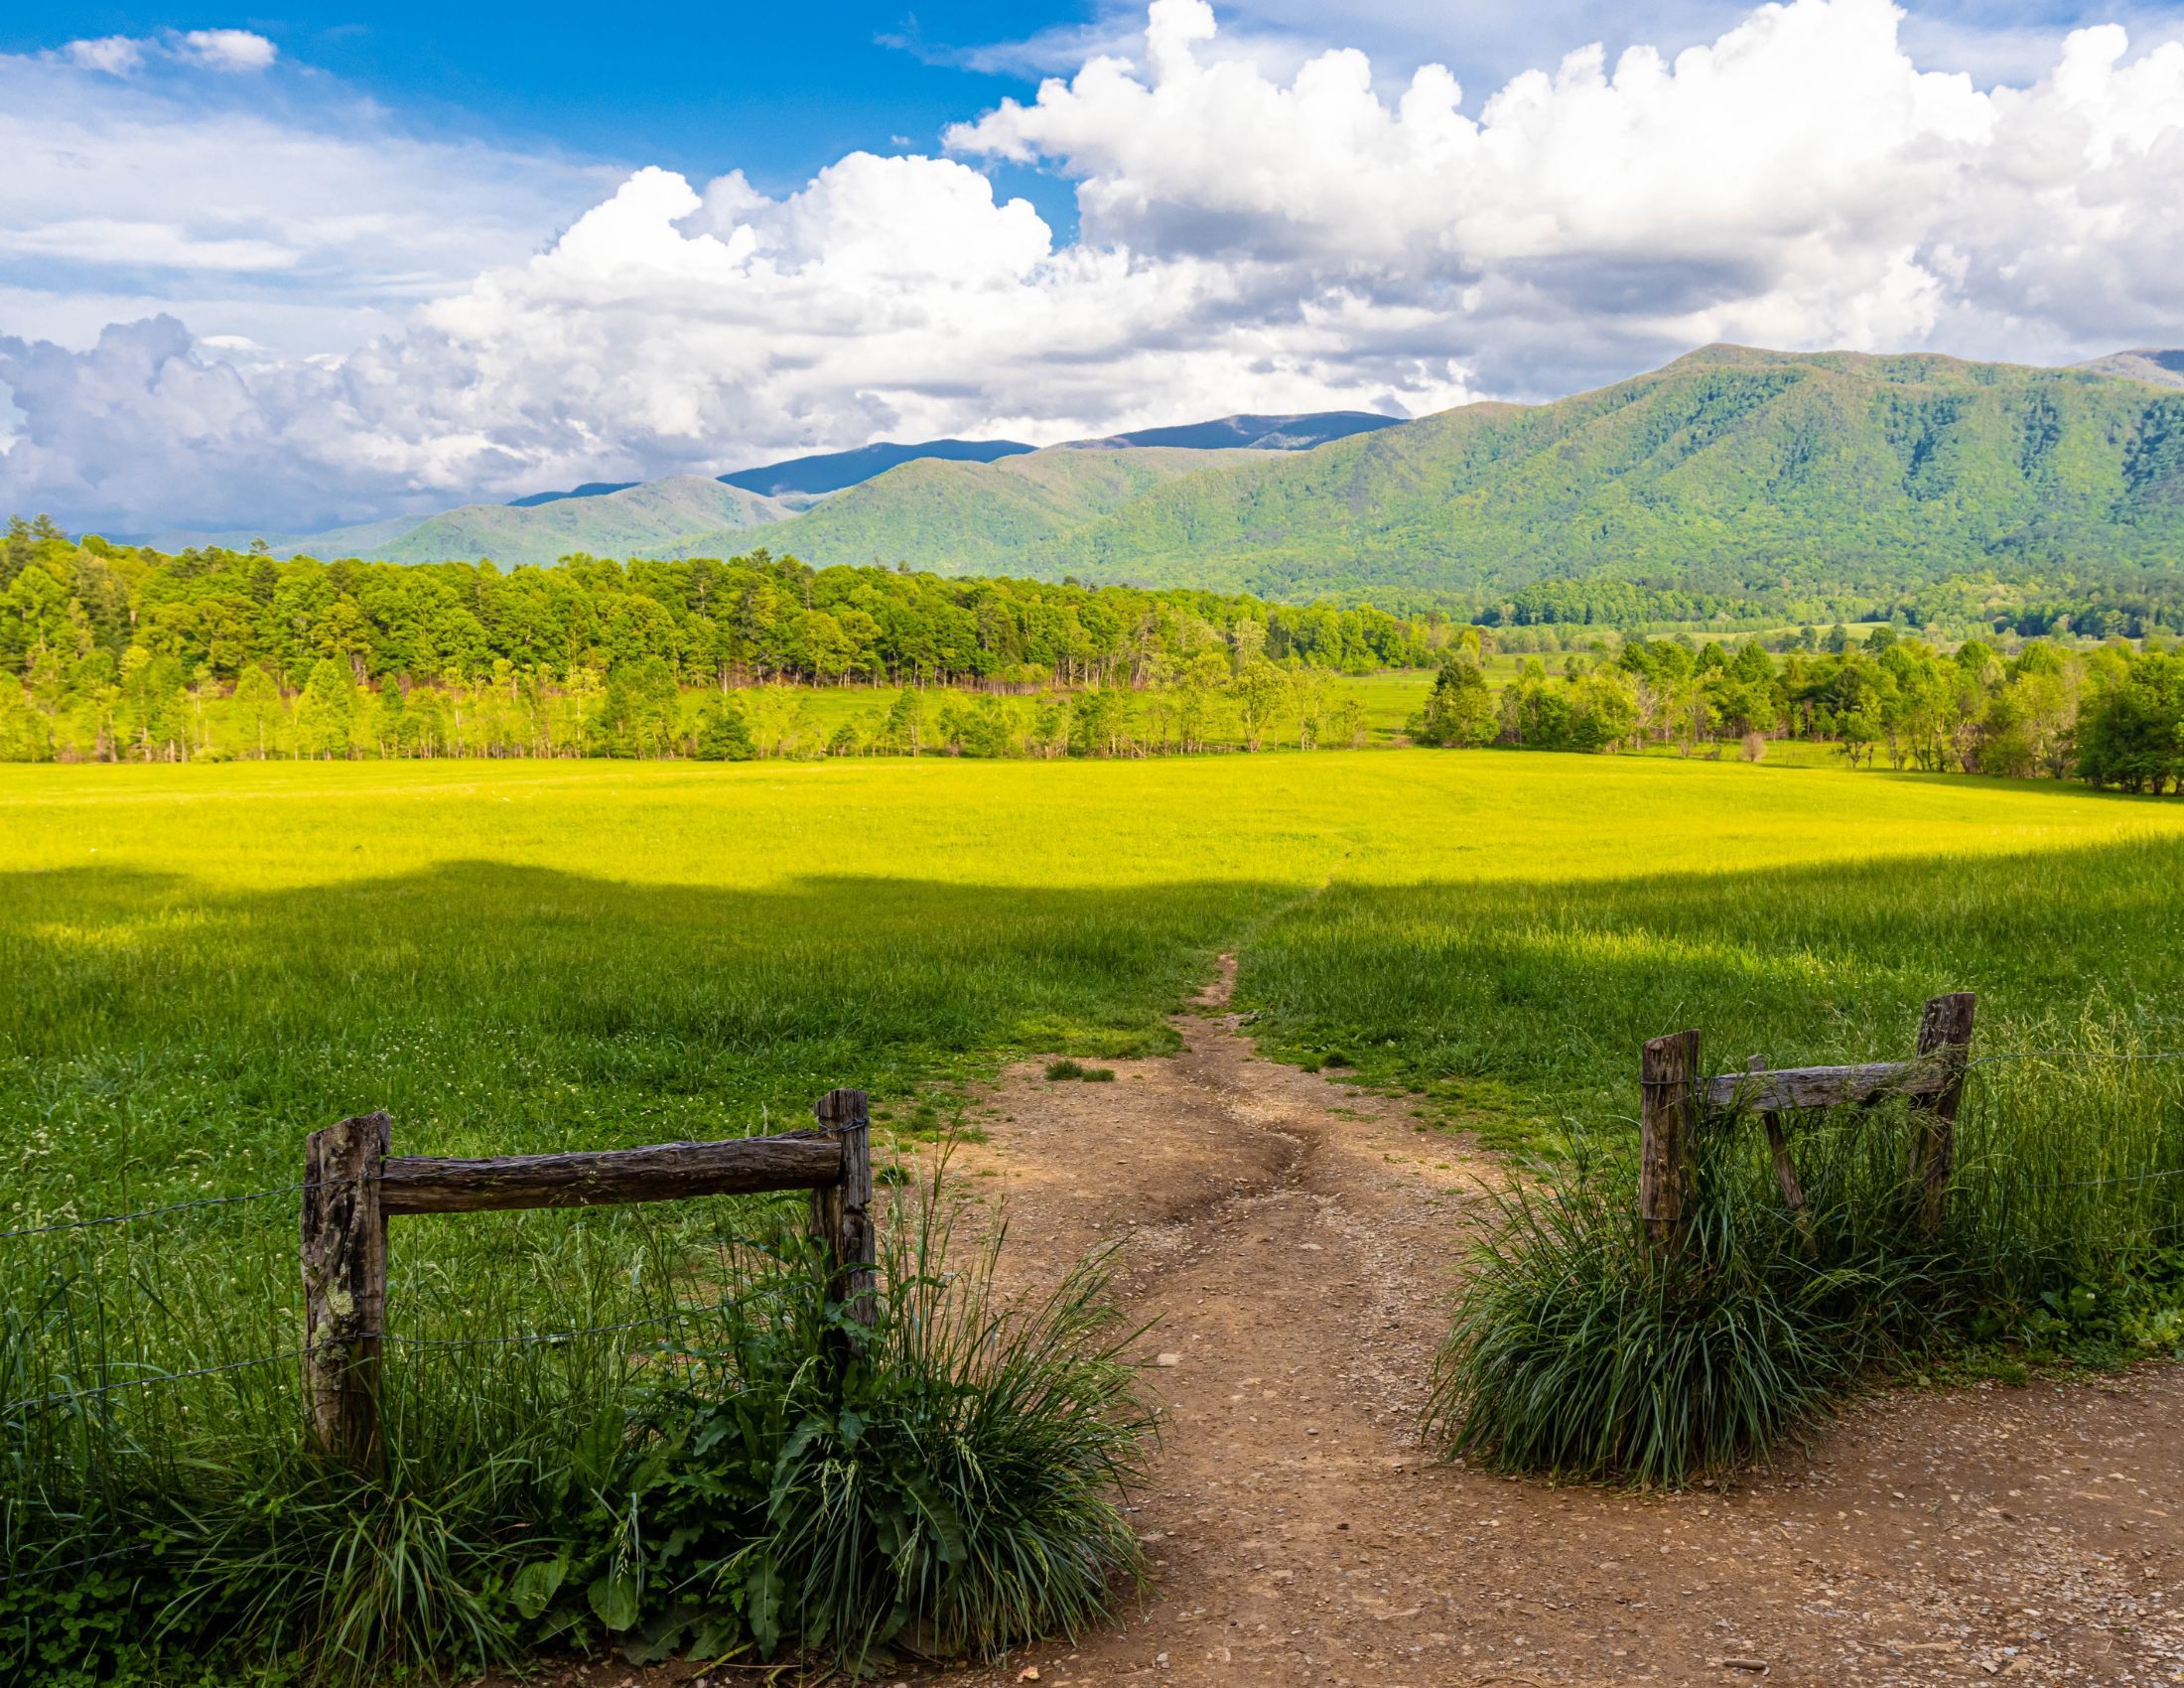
1296, 1240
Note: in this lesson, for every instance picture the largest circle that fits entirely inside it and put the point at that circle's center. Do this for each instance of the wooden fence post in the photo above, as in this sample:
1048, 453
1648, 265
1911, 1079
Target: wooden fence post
841, 1215
1944, 1041
345, 1262
1667, 1117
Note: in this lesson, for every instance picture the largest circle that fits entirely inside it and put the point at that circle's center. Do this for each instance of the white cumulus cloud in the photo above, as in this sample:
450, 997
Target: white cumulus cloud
1256, 232
227, 50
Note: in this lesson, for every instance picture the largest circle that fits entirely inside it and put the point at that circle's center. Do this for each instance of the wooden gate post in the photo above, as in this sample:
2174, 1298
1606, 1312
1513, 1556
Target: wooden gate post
345, 1262
1668, 1118
841, 1215
1944, 1042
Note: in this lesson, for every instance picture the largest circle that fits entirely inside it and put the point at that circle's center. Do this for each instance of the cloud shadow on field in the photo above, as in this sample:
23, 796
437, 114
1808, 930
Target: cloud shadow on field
496, 1008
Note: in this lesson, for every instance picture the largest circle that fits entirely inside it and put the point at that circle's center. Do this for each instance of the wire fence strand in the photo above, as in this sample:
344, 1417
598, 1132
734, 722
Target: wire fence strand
524, 1338
537, 1335
158, 1378
172, 1207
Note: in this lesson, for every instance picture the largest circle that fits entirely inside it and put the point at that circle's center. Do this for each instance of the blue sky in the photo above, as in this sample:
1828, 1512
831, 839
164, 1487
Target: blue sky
288, 268
778, 89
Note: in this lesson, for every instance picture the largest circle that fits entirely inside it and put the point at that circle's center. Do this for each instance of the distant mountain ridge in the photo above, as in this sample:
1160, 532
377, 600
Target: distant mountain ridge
652, 518
1730, 468
2160, 368
1255, 433
589, 489
830, 472
982, 518
648, 518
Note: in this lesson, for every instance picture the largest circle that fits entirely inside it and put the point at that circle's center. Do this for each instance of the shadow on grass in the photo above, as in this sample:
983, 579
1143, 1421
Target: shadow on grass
498, 1009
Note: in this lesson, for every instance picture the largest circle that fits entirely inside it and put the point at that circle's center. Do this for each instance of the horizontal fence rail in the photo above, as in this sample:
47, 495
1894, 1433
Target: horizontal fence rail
1823, 1086
354, 1183
663, 1172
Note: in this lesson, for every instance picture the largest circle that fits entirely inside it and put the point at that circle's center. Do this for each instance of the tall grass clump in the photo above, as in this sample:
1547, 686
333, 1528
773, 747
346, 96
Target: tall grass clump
1581, 1351
749, 1470
942, 1484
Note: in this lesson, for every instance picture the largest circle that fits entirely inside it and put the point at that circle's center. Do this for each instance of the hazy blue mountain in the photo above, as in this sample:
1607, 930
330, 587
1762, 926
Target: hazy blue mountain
589, 489
830, 472
1256, 433
2161, 368
354, 541
653, 519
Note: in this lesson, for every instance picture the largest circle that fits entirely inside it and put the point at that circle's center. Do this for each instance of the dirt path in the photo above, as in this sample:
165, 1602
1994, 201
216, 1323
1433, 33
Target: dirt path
1295, 1241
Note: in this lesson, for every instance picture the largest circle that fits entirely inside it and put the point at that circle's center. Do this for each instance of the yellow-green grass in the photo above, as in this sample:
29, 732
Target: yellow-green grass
200, 963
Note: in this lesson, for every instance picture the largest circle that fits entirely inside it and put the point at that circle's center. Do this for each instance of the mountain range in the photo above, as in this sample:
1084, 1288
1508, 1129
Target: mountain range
1730, 467
687, 515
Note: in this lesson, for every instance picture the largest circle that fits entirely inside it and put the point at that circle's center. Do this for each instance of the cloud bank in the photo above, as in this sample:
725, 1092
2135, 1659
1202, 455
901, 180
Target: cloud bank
1250, 239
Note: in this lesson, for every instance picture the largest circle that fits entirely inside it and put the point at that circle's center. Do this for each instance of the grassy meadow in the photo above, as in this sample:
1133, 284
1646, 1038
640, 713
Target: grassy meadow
199, 965
202, 963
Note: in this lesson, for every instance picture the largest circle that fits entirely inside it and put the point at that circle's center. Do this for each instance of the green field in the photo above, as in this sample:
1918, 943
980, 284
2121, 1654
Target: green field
200, 963
203, 963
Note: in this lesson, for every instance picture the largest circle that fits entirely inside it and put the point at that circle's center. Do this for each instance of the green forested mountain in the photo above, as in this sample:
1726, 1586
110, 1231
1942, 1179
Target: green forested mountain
659, 518
1730, 468
988, 518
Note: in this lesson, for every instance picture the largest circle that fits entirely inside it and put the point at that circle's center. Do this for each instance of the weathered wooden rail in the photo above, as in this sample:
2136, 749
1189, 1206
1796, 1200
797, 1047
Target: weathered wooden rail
1675, 1097
354, 1183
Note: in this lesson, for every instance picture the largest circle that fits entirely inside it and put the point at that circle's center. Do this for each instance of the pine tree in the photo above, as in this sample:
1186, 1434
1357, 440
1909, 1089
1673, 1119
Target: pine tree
1459, 710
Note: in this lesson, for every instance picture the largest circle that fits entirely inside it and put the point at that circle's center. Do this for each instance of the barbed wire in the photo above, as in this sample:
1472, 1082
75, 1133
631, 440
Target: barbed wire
522, 1340
535, 1335
59, 1396
1932, 1059
172, 1207
2132, 1178
2073, 1055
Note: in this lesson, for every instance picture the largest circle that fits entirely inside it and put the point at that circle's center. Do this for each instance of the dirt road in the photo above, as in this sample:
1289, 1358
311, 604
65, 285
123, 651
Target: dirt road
1297, 1241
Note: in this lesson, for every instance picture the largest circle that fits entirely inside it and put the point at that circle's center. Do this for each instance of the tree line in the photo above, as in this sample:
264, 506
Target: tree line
121, 652
2112, 715
2111, 602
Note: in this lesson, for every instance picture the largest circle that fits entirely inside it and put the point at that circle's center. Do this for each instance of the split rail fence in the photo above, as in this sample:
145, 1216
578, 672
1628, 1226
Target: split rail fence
1675, 1099
354, 1183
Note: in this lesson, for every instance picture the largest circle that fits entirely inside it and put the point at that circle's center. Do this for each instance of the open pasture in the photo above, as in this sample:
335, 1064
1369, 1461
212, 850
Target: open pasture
202, 963
199, 964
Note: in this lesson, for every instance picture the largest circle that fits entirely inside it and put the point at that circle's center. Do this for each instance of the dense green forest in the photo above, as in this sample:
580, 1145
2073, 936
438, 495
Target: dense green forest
2113, 715
1807, 482
755, 618
120, 652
